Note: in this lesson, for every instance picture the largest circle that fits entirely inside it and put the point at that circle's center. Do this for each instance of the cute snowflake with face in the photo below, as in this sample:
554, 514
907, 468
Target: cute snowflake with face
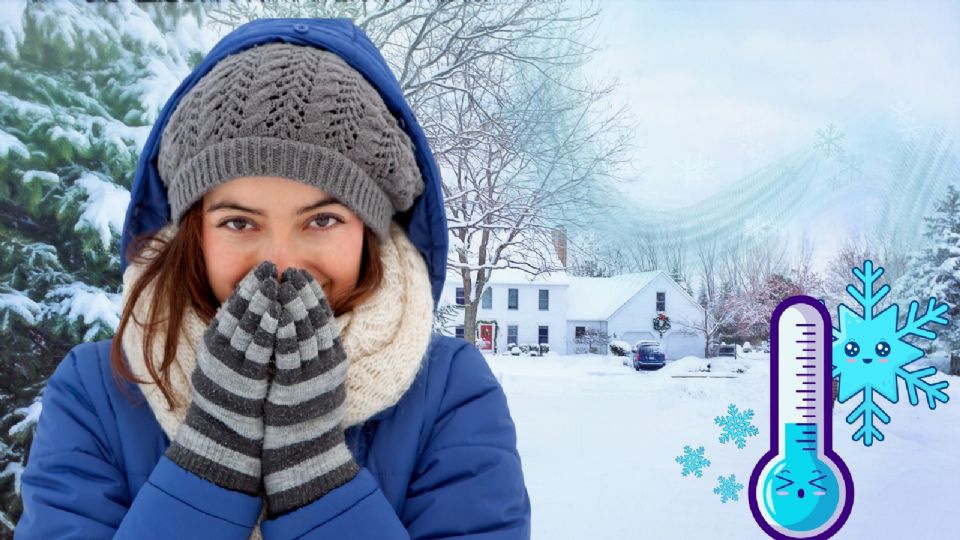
870, 355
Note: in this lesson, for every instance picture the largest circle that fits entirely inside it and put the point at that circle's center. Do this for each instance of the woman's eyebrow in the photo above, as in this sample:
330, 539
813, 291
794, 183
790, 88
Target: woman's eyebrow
230, 205
322, 202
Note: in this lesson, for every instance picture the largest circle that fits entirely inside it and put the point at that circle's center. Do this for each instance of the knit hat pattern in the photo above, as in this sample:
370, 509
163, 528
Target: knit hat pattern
296, 112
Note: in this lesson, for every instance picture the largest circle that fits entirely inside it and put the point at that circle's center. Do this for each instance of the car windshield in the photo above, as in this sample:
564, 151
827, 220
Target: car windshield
650, 348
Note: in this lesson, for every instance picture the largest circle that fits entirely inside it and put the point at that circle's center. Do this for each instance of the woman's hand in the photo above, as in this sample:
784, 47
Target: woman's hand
304, 453
221, 438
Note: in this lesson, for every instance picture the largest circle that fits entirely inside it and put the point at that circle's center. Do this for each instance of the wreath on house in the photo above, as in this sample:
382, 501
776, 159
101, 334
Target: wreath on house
661, 323
496, 332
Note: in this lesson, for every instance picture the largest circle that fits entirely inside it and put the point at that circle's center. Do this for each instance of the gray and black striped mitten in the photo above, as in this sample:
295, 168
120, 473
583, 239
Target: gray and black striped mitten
221, 438
304, 453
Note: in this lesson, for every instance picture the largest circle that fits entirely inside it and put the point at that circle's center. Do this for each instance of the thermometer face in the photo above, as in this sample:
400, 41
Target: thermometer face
800, 492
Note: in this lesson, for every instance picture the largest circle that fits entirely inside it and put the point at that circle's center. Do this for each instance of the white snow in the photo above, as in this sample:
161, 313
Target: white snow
79, 300
622, 344
31, 414
516, 276
154, 91
43, 176
105, 207
20, 304
598, 442
16, 469
11, 24
10, 143
595, 299
72, 136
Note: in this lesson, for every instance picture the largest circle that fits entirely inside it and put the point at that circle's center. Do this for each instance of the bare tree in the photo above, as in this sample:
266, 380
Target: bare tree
594, 338
717, 314
855, 250
521, 153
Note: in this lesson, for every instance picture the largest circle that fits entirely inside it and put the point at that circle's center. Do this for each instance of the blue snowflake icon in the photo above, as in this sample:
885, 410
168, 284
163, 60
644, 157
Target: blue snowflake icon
870, 354
728, 488
693, 461
736, 426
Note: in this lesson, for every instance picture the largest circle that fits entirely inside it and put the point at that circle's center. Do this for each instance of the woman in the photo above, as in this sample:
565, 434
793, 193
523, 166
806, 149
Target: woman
287, 247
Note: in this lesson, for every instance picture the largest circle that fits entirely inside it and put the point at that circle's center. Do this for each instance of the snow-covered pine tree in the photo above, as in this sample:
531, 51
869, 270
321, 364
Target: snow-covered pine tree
935, 270
81, 86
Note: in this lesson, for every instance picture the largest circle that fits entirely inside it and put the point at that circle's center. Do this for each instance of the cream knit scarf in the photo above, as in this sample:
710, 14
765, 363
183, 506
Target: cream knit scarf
385, 339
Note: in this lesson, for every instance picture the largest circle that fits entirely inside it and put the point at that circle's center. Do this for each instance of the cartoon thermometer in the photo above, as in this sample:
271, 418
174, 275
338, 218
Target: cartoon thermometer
800, 488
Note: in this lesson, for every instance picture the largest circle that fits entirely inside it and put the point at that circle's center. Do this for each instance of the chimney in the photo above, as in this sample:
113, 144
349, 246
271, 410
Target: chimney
560, 244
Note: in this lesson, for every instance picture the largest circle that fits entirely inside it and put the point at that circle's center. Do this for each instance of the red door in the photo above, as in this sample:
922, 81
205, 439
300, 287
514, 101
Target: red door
485, 343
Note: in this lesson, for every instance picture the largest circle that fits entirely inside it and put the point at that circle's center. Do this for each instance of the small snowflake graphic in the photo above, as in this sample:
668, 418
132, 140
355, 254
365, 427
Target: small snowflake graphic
870, 355
736, 426
728, 488
693, 461
851, 167
906, 119
758, 228
830, 141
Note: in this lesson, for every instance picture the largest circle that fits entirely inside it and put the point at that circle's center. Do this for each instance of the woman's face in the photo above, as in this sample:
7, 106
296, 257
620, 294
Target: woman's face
266, 218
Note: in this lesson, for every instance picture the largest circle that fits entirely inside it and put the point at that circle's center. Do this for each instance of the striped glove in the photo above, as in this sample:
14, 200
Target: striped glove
221, 438
304, 453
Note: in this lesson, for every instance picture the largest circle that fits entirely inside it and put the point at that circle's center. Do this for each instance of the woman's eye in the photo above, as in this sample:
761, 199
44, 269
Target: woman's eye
325, 221
236, 224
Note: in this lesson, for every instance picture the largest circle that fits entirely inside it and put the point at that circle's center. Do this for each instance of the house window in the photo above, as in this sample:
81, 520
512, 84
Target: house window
512, 298
661, 301
579, 331
459, 296
459, 331
512, 334
487, 299
544, 299
543, 335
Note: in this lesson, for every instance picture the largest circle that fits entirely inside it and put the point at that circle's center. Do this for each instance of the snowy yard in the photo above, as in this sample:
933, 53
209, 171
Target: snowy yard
599, 441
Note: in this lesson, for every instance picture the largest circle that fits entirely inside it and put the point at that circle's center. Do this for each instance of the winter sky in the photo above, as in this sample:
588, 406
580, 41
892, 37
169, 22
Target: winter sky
716, 89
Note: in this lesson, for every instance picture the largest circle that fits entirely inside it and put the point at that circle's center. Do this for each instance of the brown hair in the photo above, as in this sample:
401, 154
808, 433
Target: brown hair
179, 273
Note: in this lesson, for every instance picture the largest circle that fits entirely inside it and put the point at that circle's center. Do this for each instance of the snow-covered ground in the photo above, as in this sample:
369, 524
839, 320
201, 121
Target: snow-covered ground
599, 441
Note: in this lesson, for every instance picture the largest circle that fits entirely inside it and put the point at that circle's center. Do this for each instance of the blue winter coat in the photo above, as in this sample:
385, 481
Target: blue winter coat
440, 463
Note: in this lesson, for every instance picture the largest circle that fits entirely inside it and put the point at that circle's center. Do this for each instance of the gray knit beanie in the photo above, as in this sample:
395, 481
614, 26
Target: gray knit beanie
292, 111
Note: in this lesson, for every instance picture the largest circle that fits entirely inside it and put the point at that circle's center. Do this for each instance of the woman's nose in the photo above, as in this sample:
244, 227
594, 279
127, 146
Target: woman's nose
284, 255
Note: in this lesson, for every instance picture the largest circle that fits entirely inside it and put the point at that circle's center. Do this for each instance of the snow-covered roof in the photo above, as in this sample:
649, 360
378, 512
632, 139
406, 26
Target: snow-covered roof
515, 276
597, 298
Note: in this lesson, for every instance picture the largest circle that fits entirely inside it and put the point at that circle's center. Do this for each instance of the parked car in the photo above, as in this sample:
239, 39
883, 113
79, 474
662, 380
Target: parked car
648, 355
628, 360
727, 350
642, 342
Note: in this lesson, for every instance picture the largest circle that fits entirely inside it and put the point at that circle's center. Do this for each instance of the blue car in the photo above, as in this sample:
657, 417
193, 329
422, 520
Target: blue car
648, 355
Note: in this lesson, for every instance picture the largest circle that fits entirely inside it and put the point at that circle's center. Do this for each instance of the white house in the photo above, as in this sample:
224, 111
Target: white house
525, 310
624, 307
555, 308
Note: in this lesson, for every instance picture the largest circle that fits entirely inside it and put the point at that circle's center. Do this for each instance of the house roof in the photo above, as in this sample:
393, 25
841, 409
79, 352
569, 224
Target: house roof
515, 276
597, 298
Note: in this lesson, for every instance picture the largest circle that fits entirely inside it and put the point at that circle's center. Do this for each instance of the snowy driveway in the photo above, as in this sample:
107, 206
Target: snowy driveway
598, 442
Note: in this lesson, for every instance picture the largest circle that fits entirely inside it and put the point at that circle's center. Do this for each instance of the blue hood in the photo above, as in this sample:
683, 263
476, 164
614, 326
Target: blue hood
425, 222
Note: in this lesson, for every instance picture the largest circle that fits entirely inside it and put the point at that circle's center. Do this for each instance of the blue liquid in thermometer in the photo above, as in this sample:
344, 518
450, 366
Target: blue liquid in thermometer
801, 488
